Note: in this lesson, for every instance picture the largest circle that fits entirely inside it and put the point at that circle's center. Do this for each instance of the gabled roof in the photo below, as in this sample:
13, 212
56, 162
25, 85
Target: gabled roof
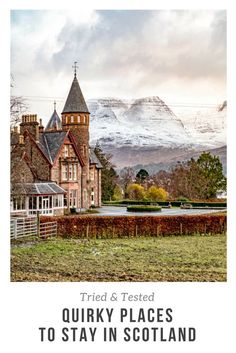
54, 122
50, 143
94, 159
75, 102
38, 145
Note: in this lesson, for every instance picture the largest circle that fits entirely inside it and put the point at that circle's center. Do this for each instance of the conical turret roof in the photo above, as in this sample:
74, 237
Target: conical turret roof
75, 102
54, 122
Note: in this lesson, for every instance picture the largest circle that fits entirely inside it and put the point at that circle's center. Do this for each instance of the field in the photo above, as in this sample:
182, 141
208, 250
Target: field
172, 258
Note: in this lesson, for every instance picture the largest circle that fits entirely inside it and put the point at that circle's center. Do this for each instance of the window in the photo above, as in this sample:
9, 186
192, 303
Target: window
32, 202
66, 151
70, 171
73, 198
40, 202
64, 172
92, 196
65, 200
19, 203
85, 195
72, 119
91, 174
74, 172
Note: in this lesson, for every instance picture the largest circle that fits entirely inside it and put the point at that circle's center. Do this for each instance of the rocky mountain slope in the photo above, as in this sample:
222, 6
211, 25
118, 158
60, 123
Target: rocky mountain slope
146, 131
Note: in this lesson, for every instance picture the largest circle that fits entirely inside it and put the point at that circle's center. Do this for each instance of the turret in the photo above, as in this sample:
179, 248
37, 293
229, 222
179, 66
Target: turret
75, 116
54, 122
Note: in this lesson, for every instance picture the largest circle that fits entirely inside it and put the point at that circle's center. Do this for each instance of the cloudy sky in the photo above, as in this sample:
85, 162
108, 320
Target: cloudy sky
178, 55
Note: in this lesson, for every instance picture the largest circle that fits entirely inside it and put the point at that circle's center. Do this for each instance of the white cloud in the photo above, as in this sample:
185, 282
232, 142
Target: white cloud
121, 53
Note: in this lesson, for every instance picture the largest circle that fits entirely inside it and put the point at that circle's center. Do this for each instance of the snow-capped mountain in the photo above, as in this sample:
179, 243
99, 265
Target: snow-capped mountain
207, 126
142, 122
146, 130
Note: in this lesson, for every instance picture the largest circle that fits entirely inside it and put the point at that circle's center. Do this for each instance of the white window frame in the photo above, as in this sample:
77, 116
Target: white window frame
64, 172
70, 171
73, 198
74, 171
66, 151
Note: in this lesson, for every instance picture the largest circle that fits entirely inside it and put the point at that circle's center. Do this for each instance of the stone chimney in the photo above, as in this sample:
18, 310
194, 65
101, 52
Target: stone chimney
41, 127
29, 123
21, 140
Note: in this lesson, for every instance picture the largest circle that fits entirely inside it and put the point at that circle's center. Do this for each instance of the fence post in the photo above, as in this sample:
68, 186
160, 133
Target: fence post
136, 230
87, 231
38, 224
181, 228
15, 228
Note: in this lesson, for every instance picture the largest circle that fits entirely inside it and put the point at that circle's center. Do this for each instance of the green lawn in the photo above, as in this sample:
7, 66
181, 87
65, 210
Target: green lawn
172, 258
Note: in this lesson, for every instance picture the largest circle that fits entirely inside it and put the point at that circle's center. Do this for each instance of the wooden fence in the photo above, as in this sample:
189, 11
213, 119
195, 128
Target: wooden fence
31, 226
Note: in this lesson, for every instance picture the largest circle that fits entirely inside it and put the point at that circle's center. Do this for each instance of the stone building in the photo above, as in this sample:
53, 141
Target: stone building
55, 168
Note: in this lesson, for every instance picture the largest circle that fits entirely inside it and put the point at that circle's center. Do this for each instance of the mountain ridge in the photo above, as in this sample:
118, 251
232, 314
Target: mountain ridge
146, 131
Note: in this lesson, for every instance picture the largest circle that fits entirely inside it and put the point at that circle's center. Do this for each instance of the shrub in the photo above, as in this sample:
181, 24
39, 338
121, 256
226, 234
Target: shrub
156, 194
182, 198
81, 226
117, 195
136, 192
140, 208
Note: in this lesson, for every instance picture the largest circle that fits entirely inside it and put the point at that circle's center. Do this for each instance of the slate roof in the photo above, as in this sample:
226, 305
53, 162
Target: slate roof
94, 159
43, 188
75, 102
54, 122
50, 143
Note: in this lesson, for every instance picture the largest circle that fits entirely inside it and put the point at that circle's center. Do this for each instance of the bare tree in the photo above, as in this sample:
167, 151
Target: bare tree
127, 176
18, 106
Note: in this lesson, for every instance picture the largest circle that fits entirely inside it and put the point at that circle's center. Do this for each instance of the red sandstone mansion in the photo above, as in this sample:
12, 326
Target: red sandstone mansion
53, 168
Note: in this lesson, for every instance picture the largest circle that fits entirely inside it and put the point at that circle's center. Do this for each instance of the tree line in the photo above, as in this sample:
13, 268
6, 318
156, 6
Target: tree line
200, 178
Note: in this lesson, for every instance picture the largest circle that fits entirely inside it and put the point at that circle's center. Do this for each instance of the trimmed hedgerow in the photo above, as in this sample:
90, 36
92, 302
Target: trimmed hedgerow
88, 226
143, 208
166, 203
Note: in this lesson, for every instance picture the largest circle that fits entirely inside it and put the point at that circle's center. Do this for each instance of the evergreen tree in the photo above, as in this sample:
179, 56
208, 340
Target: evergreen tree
200, 179
109, 175
141, 176
211, 177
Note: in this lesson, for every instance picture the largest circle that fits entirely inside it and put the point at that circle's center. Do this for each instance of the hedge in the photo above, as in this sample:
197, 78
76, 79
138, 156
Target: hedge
88, 226
166, 203
143, 208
